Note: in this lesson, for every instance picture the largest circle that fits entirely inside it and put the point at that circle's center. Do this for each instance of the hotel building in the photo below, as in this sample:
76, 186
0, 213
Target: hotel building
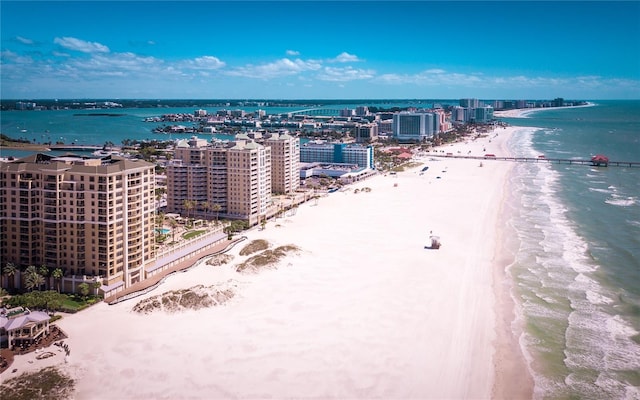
366, 133
86, 216
414, 126
237, 176
337, 153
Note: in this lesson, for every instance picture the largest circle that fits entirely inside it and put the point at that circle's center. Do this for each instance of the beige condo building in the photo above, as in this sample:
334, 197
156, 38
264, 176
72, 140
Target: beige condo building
235, 178
285, 163
86, 216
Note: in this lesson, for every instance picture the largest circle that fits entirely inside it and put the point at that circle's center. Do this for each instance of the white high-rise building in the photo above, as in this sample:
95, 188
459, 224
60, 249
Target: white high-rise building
413, 126
285, 163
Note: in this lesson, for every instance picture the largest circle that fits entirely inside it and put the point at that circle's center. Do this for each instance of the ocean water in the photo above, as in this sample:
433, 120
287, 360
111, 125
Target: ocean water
576, 233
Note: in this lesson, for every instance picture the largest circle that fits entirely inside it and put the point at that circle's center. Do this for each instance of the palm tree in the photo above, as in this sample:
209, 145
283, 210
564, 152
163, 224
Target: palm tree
34, 280
10, 271
44, 271
207, 207
173, 224
29, 276
188, 205
96, 285
57, 276
159, 223
216, 208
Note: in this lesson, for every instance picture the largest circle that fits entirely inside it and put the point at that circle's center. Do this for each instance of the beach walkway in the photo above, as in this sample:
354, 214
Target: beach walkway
140, 288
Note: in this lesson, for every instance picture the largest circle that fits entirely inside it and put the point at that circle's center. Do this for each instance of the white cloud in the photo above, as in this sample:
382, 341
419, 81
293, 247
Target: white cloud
345, 74
293, 53
24, 40
282, 67
345, 57
205, 62
14, 58
476, 81
60, 54
81, 45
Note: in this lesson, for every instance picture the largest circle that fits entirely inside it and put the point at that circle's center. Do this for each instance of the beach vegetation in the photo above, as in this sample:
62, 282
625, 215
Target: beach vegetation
219, 259
254, 246
266, 258
194, 298
48, 383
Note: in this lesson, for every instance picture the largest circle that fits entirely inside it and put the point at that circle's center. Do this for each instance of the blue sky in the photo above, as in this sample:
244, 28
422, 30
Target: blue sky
320, 50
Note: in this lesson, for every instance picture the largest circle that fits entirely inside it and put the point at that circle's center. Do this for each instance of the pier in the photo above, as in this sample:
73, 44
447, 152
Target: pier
570, 161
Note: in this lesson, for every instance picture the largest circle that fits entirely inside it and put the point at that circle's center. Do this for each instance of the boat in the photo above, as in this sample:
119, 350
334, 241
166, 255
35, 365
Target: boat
599, 160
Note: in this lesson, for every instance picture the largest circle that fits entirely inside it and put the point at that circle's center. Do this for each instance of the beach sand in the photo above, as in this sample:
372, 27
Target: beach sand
363, 310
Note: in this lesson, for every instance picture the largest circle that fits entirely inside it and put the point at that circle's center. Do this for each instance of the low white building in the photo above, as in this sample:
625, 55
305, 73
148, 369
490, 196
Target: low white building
19, 326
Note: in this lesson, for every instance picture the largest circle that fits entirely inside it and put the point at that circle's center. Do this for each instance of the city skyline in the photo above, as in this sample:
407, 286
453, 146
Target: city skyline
320, 50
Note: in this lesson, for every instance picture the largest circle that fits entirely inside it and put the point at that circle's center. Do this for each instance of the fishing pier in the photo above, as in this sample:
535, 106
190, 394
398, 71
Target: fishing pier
594, 162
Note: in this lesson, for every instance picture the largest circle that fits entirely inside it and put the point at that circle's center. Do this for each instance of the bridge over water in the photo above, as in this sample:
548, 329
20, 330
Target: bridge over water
314, 112
72, 147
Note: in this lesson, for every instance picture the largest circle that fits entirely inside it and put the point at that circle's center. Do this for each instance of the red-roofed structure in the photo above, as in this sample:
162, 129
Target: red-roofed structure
599, 160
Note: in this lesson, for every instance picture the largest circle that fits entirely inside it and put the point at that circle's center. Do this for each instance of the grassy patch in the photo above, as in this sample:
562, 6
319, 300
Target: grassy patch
266, 258
48, 383
73, 303
192, 234
254, 246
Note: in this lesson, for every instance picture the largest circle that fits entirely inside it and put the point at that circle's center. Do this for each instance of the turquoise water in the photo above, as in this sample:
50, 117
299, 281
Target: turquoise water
163, 231
576, 273
77, 127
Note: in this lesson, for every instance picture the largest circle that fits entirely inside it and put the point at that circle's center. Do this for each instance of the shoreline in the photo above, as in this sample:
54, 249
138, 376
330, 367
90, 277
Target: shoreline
513, 377
327, 322
524, 112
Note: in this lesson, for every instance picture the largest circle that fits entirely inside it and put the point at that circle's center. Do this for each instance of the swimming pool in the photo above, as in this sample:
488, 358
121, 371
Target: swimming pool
163, 231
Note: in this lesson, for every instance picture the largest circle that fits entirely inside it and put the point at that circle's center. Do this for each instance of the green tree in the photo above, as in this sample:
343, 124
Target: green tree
30, 277
44, 271
57, 276
9, 271
207, 207
52, 300
96, 285
84, 289
3, 294
33, 281
174, 224
216, 208
188, 206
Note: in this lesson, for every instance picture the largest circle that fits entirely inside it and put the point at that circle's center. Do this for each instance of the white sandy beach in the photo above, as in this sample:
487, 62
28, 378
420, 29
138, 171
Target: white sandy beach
524, 112
363, 311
